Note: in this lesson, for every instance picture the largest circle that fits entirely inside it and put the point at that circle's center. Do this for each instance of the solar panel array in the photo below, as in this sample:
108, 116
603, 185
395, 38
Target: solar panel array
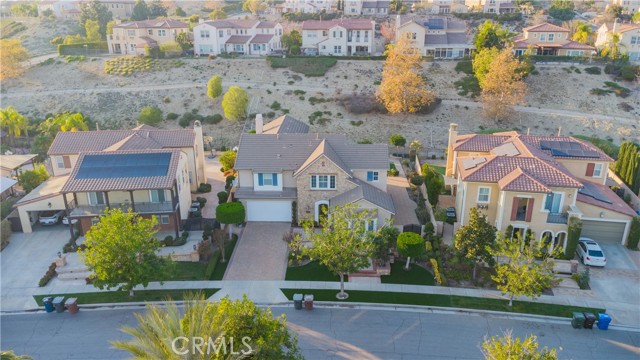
567, 149
594, 192
124, 166
435, 24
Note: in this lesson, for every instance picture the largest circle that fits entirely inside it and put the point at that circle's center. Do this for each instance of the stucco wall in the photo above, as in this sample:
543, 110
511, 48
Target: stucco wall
579, 169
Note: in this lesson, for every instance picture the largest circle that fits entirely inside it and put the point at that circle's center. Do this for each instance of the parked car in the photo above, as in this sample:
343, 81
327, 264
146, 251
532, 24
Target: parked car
65, 221
590, 252
50, 217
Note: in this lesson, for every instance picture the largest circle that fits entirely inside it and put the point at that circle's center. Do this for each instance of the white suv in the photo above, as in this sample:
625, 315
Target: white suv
590, 252
50, 217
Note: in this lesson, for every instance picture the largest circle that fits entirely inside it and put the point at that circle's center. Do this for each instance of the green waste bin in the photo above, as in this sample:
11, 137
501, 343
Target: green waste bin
58, 304
297, 301
578, 320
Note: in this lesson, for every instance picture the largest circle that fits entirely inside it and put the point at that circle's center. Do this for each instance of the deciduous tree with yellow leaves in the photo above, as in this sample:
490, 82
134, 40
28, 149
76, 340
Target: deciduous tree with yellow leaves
12, 54
503, 85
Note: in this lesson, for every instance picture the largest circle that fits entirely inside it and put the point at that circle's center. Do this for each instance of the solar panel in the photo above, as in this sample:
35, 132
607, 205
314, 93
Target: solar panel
124, 166
567, 149
436, 24
592, 191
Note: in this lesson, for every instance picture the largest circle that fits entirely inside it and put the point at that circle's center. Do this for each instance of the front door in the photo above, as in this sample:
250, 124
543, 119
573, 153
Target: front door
323, 212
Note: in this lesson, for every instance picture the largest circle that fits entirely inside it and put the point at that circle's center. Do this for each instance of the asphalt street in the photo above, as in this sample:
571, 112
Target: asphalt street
327, 333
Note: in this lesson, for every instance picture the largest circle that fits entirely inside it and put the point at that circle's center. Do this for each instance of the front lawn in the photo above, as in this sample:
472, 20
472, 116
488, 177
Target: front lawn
313, 271
452, 301
221, 267
184, 271
105, 297
417, 275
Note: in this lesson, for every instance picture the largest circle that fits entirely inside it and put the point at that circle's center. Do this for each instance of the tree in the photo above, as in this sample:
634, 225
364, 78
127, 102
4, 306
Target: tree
11, 355
140, 11
573, 236
388, 31
150, 115
383, 242
615, 11
40, 146
410, 245
230, 213
491, 35
397, 140
503, 86
481, 63
180, 12
342, 244
12, 54
583, 33
562, 9
157, 9
292, 41
30, 179
403, 89
12, 122
122, 251
228, 159
217, 14
92, 29
612, 49
414, 148
508, 348
434, 183
25, 10
214, 87
48, 13
98, 12
64, 122
476, 241
183, 40
636, 18
254, 6
234, 103
110, 26
522, 274
230, 329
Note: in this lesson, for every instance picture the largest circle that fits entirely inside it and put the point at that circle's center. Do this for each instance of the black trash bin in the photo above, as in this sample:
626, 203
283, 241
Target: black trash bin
589, 320
297, 301
48, 306
578, 320
58, 303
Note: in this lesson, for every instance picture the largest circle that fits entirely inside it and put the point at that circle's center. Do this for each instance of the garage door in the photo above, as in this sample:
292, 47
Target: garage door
603, 231
269, 211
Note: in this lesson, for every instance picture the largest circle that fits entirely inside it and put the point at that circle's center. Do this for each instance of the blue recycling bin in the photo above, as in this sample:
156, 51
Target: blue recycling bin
603, 321
48, 304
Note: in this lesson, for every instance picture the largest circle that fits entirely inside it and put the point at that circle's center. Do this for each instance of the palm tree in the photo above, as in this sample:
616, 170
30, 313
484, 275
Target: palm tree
612, 49
13, 122
583, 33
64, 122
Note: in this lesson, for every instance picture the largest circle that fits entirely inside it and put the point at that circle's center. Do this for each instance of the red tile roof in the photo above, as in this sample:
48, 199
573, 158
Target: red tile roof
157, 23
481, 143
613, 203
519, 180
546, 27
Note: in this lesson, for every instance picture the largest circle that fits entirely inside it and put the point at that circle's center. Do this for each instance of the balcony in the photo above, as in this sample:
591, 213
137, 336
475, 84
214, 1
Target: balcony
140, 208
559, 218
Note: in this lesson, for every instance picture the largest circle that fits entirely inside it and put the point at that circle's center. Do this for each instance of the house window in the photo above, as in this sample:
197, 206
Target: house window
635, 40
323, 182
372, 176
132, 47
597, 170
96, 198
483, 194
371, 225
162, 219
131, 32
575, 53
157, 196
220, 33
60, 161
551, 37
521, 210
552, 203
411, 36
325, 33
267, 179
543, 37
228, 32
204, 34
337, 49
150, 32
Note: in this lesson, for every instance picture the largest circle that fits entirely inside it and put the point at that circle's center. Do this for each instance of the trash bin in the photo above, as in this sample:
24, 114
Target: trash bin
72, 305
58, 303
603, 321
589, 320
297, 301
578, 320
308, 302
48, 306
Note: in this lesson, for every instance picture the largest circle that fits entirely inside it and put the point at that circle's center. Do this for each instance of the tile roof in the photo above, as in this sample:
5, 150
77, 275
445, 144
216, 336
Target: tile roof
545, 27
266, 25
157, 23
232, 23
323, 149
480, 142
79, 182
601, 196
577, 46
285, 124
261, 39
534, 141
49, 188
238, 39
349, 24
6, 183
446, 39
519, 180
364, 191
12, 162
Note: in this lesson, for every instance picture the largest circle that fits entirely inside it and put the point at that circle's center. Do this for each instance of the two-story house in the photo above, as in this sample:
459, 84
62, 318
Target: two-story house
287, 174
342, 37
365, 7
248, 37
439, 7
549, 39
134, 36
628, 6
310, 6
527, 182
439, 37
628, 38
70, 149
120, 9
492, 6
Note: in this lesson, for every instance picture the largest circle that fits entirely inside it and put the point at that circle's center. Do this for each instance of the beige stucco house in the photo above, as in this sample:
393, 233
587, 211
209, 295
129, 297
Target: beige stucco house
247, 37
439, 37
492, 6
629, 38
628, 6
132, 37
342, 37
528, 182
549, 39
287, 174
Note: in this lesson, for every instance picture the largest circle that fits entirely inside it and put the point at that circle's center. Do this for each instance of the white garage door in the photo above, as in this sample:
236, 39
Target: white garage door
603, 231
269, 210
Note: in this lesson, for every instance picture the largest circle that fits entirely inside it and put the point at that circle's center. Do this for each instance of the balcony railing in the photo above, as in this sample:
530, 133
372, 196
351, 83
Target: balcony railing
559, 218
140, 208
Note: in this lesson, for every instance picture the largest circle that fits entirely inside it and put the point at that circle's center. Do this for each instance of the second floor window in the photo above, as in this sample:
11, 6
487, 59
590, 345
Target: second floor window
483, 194
204, 34
150, 32
552, 204
220, 33
372, 176
162, 32
157, 196
323, 181
268, 179
131, 32
522, 209
597, 170
63, 162
551, 36
635, 40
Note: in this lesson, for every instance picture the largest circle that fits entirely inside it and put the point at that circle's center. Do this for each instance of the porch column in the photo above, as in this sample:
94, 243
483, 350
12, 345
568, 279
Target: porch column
133, 204
175, 212
106, 199
66, 211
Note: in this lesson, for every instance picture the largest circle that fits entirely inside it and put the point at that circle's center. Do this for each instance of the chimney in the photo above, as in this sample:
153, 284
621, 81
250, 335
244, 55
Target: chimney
259, 123
453, 135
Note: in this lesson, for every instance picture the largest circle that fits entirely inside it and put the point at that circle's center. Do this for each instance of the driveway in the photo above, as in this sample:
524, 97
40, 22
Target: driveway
405, 207
260, 253
24, 261
216, 179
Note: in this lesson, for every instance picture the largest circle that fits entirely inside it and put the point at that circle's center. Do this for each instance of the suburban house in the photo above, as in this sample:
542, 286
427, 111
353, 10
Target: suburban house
247, 37
440, 6
309, 6
14, 164
342, 37
527, 182
492, 6
439, 37
287, 174
120, 9
629, 38
549, 39
628, 6
364, 7
66, 9
134, 36
95, 169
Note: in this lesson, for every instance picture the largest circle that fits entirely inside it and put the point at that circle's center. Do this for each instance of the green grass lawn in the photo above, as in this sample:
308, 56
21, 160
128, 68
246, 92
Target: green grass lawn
417, 275
313, 271
464, 302
312, 66
184, 271
221, 267
123, 296
439, 169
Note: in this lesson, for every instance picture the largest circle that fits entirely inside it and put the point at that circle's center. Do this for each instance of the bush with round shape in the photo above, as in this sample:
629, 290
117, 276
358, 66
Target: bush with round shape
410, 245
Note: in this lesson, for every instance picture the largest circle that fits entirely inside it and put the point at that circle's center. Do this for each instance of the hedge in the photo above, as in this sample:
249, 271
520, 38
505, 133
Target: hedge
634, 234
211, 265
63, 48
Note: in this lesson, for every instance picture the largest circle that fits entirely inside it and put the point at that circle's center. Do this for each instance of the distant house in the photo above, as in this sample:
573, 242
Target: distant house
309, 6
364, 7
440, 37
438, 6
7, 187
70, 9
247, 37
549, 39
120, 9
134, 36
628, 6
342, 37
492, 6
12, 165
629, 35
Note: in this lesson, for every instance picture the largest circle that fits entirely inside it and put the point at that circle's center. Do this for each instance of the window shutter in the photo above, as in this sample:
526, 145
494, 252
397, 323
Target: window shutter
332, 184
529, 210
275, 179
590, 167
67, 162
260, 179
514, 209
370, 176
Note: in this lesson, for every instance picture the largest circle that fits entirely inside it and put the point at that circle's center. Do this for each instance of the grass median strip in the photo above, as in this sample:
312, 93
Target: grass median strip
452, 301
105, 297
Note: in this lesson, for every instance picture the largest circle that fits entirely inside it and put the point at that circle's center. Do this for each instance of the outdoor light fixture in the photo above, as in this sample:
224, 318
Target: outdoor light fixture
49, 205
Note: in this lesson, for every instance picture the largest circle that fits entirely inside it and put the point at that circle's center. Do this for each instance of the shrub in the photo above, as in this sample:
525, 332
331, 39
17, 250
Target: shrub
634, 234
150, 115
172, 116
222, 197
228, 160
275, 106
392, 172
593, 70
51, 272
437, 272
417, 180
582, 279
423, 215
204, 188
202, 201
5, 233
629, 72
599, 92
361, 104
167, 241
228, 182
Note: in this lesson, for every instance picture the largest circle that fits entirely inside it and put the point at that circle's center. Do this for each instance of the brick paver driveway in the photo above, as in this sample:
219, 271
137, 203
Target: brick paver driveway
260, 253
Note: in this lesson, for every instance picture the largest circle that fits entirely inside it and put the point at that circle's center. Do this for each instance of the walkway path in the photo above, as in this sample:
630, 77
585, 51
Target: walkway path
217, 181
405, 207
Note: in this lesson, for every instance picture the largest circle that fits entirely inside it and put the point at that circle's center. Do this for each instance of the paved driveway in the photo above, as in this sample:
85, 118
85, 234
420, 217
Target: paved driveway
260, 253
405, 207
